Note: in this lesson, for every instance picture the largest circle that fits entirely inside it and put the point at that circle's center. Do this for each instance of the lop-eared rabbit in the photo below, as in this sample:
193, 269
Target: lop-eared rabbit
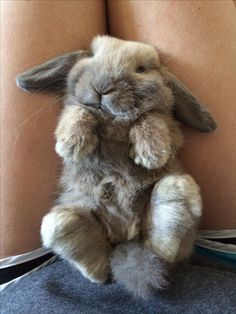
126, 209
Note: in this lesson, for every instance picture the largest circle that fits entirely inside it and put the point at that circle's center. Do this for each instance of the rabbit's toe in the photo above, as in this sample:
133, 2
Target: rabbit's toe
99, 275
148, 159
75, 150
87, 145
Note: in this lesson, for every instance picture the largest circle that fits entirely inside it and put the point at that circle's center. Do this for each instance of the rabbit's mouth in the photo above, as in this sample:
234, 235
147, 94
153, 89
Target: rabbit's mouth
125, 112
109, 111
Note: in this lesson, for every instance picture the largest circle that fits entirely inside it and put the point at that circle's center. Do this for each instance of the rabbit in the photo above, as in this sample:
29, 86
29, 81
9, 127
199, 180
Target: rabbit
127, 210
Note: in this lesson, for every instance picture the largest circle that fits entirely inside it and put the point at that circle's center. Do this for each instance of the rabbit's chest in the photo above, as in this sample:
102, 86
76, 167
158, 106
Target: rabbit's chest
112, 180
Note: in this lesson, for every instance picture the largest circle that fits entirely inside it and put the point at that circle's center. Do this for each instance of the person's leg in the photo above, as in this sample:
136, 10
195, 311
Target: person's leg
199, 39
32, 32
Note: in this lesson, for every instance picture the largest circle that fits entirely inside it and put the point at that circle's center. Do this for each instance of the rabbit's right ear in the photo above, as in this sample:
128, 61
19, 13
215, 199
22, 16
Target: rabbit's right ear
51, 75
187, 108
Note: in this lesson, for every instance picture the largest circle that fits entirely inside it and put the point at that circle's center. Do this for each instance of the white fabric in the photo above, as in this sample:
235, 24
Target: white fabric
216, 246
217, 234
9, 283
206, 240
19, 259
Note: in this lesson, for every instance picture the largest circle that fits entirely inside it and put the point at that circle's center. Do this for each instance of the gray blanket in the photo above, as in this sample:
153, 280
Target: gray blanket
60, 289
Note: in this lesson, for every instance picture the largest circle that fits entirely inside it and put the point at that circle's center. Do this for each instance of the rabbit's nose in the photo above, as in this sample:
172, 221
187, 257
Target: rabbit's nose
103, 91
104, 86
97, 92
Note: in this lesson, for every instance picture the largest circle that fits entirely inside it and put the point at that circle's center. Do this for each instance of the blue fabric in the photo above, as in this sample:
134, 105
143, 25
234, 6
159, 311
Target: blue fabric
224, 257
60, 289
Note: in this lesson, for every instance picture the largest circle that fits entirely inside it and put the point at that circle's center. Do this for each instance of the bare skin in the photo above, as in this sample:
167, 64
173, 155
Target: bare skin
33, 32
186, 31
198, 38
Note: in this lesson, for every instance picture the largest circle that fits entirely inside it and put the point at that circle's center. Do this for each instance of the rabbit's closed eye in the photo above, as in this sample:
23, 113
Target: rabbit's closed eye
145, 68
141, 69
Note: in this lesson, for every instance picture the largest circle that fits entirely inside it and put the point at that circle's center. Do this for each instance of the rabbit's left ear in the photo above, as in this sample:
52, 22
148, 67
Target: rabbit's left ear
51, 75
187, 108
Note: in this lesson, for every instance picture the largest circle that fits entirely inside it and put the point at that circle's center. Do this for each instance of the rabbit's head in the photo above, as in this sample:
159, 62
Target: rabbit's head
119, 80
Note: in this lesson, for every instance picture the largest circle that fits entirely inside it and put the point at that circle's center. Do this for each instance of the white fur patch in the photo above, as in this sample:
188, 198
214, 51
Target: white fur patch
61, 149
48, 229
50, 225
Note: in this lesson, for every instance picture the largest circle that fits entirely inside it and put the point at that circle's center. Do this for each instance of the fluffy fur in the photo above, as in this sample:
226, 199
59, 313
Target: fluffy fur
126, 206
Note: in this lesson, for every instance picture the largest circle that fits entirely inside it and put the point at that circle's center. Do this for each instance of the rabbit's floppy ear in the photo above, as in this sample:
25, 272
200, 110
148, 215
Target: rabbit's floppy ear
51, 75
187, 108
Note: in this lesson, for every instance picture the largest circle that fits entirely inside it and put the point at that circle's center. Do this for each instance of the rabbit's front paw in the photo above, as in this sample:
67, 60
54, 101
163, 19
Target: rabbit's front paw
148, 157
77, 147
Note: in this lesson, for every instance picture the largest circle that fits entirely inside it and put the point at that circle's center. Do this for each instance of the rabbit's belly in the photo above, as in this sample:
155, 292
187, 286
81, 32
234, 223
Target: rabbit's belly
124, 195
122, 207
118, 227
118, 199
117, 204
